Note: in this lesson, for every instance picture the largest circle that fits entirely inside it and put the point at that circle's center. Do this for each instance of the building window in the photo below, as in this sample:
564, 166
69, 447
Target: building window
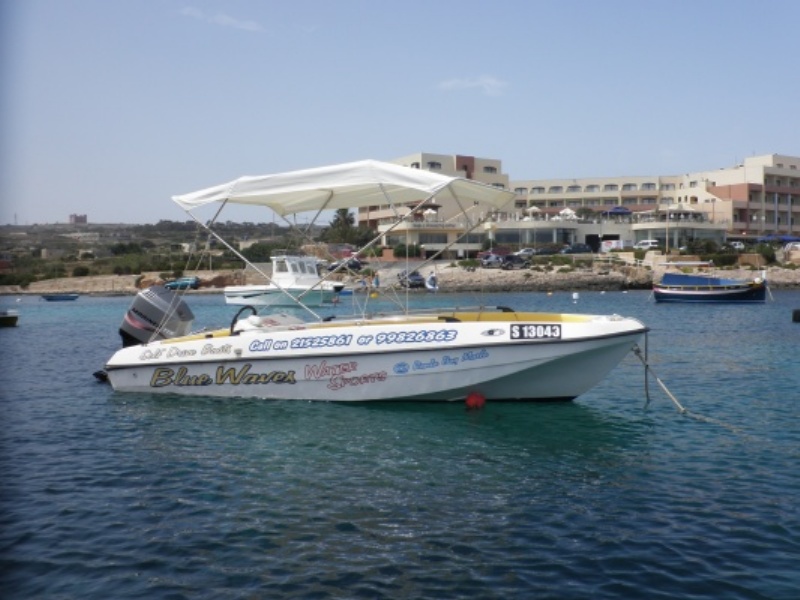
489, 169
415, 165
593, 188
499, 185
629, 187
574, 188
432, 164
648, 186
521, 190
432, 238
555, 189
692, 184
610, 187
668, 186
537, 190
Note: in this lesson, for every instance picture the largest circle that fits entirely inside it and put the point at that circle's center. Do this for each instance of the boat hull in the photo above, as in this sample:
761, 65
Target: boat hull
699, 289
381, 363
754, 296
8, 318
266, 295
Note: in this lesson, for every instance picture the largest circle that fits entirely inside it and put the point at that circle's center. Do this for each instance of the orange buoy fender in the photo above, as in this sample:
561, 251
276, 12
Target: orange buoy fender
475, 400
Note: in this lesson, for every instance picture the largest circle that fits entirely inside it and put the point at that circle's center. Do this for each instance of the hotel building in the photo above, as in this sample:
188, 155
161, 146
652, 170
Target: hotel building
753, 200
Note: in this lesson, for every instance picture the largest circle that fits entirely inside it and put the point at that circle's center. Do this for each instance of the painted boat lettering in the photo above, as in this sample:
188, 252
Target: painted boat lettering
260, 345
212, 349
339, 381
175, 352
423, 366
324, 370
342, 374
321, 341
536, 332
416, 336
475, 355
165, 376
447, 360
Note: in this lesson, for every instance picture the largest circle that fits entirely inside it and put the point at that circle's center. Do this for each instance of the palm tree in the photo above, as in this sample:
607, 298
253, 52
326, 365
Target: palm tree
341, 226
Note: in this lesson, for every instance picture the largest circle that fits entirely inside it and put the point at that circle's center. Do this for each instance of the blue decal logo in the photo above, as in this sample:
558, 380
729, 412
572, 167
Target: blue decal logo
402, 368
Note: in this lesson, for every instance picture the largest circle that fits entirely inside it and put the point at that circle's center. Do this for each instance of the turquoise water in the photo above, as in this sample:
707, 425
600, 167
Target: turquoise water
107, 495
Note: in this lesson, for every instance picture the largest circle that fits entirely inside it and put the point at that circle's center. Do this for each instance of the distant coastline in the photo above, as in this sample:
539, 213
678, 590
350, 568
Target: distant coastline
451, 279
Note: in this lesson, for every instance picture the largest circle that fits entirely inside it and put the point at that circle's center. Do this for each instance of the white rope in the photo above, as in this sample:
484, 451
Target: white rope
681, 409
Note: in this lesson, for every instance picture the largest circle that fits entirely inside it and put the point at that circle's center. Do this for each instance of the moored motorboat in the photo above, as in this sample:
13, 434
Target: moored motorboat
294, 277
436, 356
494, 353
702, 288
64, 297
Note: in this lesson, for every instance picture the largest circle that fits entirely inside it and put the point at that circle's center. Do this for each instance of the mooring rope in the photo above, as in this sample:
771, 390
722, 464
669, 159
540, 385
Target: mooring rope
648, 370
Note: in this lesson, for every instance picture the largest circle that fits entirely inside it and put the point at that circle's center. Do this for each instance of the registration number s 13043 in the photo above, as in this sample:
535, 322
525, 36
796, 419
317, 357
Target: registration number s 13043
536, 332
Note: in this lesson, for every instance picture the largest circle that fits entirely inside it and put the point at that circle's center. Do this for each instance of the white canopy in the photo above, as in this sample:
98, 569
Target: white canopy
350, 185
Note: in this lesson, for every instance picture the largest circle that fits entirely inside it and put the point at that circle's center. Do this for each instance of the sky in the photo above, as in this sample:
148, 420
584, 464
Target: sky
109, 108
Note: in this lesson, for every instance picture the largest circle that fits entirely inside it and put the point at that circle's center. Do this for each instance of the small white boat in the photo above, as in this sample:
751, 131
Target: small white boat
488, 353
294, 278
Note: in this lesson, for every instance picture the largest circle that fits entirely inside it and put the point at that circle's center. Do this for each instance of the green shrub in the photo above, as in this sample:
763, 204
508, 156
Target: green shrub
403, 250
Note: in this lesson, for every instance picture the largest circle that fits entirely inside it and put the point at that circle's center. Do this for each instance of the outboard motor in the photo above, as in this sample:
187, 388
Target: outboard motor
145, 320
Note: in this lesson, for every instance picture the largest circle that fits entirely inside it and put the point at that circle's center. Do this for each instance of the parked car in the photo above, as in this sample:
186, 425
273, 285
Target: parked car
646, 245
526, 252
351, 264
411, 280
491, 261
546, 250
577, 249
183, 283
738, 246
514, 261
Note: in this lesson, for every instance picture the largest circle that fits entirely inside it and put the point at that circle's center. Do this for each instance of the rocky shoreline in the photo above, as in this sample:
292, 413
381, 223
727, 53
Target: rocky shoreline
451, 279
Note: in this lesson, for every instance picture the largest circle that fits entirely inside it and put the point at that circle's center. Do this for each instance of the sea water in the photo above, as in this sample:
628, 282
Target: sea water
615, 495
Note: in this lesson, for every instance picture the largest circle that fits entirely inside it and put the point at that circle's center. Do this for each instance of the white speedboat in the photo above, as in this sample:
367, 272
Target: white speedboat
293, 278
491, 353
